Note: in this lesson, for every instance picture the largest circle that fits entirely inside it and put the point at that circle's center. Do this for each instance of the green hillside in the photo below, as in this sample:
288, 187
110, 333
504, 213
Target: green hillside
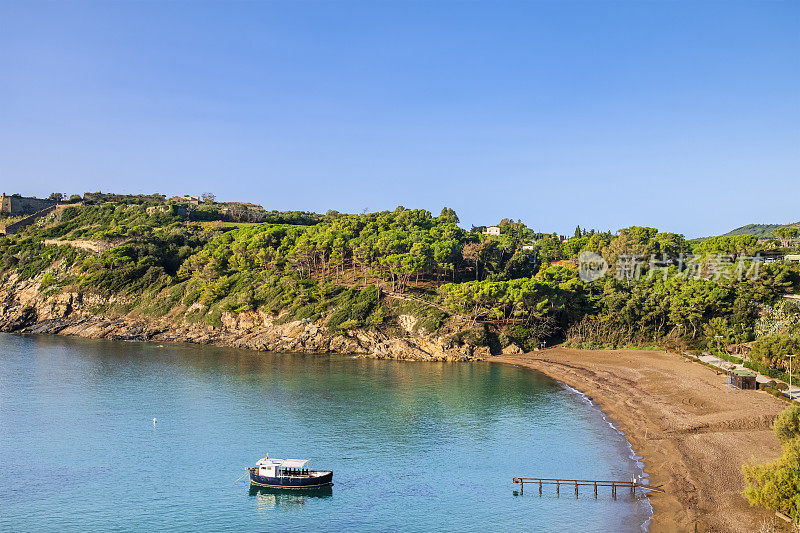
759, 230
198, 264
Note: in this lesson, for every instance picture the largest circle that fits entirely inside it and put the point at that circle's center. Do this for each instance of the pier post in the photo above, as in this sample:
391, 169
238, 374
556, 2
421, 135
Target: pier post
633, 484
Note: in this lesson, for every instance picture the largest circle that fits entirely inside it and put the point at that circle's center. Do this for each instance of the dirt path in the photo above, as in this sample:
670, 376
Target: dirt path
693, 436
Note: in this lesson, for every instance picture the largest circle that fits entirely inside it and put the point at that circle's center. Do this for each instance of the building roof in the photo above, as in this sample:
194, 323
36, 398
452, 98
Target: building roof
744, 373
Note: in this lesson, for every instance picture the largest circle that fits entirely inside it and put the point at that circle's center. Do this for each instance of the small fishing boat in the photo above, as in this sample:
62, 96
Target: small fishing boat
288, 474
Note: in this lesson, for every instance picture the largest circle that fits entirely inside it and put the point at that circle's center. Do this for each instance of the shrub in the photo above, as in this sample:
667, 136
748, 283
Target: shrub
770, 351
353, 307
176, 292
477, 336
191, 296
214, 318
776, 485
349, 324
787, 425
158, 307
428, 317
377, 317
306, 312
525, 337
48, 280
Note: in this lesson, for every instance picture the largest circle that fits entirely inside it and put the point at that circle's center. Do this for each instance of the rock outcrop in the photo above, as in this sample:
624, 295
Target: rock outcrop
27, 307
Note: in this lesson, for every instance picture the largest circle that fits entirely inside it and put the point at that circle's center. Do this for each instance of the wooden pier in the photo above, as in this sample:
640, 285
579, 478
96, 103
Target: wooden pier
575, 483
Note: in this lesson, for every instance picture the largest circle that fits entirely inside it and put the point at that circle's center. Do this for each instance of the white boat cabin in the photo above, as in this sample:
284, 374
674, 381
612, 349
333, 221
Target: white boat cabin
282, 467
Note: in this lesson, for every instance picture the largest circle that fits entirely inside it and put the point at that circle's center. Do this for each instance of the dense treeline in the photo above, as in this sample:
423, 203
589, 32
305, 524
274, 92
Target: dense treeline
736, 245
519, 286
242, 212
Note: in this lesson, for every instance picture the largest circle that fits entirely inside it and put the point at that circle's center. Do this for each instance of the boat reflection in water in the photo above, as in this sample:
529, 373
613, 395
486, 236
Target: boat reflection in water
269, 498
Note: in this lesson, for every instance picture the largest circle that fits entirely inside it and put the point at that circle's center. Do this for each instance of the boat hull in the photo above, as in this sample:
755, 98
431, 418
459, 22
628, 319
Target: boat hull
315, 480
324, 491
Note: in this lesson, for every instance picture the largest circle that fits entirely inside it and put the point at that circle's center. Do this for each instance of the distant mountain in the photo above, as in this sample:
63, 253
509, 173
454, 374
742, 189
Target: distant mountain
759, 230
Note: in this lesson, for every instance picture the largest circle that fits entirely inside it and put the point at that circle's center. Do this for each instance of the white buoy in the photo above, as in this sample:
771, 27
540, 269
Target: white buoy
154, 422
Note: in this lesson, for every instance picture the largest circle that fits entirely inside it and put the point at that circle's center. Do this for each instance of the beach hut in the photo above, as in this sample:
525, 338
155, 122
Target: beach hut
743, 379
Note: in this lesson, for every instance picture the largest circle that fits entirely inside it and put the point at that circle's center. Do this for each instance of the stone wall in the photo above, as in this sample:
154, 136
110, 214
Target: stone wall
23, 205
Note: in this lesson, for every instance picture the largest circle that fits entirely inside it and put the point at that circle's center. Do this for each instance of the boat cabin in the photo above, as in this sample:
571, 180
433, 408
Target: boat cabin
282, 467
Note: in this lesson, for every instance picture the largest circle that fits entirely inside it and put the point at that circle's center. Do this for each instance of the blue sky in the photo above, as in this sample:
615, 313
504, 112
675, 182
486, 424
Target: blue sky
680, 115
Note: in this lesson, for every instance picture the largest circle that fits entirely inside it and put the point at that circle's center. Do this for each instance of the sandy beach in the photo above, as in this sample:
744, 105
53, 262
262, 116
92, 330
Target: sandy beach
693, 435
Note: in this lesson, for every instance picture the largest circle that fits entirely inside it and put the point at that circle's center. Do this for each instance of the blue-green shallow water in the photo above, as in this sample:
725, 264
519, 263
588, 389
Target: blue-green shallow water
413, 446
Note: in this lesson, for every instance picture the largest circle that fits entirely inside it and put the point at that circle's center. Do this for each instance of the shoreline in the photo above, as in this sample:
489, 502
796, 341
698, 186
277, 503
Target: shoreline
692, 436
28, 310
642, 519
635, 458
676, 417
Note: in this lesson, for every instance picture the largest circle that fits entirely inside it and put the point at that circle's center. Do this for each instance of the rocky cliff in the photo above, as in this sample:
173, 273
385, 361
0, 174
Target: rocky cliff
29, 306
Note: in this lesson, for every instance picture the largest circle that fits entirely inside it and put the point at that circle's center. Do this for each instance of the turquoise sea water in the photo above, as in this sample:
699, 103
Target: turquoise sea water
413, 446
